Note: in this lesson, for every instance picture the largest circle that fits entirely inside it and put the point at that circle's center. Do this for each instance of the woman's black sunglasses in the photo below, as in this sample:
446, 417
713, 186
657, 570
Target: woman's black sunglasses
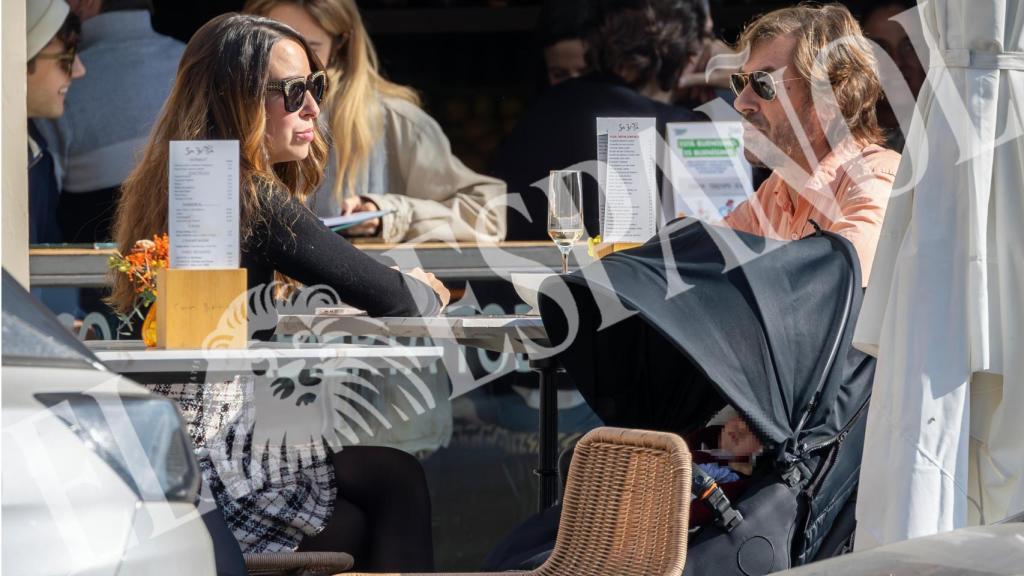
294, 89
761, 82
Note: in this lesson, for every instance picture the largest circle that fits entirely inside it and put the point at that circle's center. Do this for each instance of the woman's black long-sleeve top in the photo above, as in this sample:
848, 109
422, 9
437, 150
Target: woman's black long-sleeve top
287, 237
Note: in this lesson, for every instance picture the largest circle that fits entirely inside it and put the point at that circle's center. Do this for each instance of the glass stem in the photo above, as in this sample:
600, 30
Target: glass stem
565, 262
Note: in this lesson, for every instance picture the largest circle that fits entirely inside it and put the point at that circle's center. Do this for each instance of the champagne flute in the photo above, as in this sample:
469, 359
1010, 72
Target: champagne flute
565, 211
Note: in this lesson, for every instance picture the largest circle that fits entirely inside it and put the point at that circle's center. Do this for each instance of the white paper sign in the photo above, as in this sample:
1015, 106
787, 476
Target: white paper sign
709, 174
629, 190
204, 210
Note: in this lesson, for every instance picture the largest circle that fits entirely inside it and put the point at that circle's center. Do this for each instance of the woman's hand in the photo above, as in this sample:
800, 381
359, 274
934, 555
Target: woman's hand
354, 204
430, 280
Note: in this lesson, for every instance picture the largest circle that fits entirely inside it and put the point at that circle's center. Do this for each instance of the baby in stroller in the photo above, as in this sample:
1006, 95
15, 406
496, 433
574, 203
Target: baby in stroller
733, 452
726, 452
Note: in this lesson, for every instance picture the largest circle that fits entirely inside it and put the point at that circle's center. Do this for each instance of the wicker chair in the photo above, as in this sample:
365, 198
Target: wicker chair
297, 563
626, 507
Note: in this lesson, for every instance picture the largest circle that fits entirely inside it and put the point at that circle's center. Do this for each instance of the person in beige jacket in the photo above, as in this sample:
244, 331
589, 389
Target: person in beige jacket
387, 153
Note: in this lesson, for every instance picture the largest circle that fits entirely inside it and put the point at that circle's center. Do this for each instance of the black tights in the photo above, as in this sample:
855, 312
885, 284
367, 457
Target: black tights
382, 512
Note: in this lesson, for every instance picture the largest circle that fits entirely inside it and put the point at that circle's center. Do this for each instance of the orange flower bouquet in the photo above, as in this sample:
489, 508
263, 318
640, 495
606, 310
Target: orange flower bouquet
143, 261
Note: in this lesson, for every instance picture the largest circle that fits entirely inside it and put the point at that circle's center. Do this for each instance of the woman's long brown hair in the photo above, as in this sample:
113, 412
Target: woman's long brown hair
218, 94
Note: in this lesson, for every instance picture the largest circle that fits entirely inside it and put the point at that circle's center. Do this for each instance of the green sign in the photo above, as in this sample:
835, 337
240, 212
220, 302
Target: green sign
708, 147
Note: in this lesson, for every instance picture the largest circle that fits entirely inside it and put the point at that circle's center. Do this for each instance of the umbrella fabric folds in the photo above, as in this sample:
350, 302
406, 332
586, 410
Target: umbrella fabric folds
945, 313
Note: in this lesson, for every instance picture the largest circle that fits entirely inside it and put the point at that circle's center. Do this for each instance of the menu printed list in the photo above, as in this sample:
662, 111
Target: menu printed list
204, 211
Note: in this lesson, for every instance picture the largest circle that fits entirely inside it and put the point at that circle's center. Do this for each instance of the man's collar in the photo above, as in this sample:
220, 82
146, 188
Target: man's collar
119, 24
35, 148
841, 154
824, 174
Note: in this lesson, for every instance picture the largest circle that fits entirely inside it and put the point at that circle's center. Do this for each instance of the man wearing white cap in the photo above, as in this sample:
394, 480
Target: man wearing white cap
52, 38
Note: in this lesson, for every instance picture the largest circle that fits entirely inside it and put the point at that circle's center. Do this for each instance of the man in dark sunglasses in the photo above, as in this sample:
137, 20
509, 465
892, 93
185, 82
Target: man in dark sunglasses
51, 36
807, 94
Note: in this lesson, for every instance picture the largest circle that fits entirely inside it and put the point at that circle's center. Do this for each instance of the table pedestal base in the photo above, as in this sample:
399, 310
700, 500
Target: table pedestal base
547, 370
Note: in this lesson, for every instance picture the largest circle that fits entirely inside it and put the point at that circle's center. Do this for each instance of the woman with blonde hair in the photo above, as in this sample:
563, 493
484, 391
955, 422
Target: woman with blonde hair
388, 153
256, 81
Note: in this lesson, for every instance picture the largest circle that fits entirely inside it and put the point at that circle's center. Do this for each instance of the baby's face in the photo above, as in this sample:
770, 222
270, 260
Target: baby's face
738, 440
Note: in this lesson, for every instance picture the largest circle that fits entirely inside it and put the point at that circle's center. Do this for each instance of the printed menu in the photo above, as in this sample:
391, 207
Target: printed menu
626, 175
203, 215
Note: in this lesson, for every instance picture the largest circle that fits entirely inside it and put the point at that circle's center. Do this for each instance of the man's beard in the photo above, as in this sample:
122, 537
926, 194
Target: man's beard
769, 146
753, 160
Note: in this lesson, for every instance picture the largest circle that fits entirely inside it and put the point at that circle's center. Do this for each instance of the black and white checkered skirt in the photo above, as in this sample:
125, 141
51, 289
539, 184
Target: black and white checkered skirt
271, 497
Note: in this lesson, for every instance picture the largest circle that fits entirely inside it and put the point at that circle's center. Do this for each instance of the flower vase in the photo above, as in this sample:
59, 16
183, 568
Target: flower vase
149, 327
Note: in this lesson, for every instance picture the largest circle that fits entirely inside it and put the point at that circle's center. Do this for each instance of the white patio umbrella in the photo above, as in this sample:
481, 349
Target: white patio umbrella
945, 310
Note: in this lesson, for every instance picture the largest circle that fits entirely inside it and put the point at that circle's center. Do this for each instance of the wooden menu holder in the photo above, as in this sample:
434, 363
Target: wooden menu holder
605, 248
201, 308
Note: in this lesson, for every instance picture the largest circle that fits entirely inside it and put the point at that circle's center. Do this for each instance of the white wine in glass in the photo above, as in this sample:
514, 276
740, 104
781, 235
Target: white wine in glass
565, 211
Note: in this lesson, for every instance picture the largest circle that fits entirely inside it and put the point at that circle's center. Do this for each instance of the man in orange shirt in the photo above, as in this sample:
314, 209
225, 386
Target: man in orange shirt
807, 93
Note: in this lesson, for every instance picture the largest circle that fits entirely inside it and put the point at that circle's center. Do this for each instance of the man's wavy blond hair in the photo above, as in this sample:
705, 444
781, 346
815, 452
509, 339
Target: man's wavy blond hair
830, 51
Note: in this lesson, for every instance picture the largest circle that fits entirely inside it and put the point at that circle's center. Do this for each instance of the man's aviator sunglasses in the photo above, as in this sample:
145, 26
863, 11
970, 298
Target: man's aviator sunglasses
294, 89
761, 82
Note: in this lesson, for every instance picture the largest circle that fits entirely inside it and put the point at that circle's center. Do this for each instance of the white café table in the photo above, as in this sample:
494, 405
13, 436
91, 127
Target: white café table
131, 358
496, 333
520, 334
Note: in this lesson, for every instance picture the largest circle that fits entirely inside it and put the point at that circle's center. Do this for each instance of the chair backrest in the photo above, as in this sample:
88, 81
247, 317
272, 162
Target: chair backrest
626, 506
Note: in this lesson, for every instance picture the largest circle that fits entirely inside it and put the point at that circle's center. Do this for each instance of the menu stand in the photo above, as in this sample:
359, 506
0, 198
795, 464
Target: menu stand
201, 308
605, 248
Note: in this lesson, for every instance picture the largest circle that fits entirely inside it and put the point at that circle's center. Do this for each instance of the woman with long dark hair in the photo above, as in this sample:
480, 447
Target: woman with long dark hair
386, 151
257, 81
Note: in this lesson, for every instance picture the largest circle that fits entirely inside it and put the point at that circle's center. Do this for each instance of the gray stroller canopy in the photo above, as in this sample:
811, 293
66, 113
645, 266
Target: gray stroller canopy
719, 317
